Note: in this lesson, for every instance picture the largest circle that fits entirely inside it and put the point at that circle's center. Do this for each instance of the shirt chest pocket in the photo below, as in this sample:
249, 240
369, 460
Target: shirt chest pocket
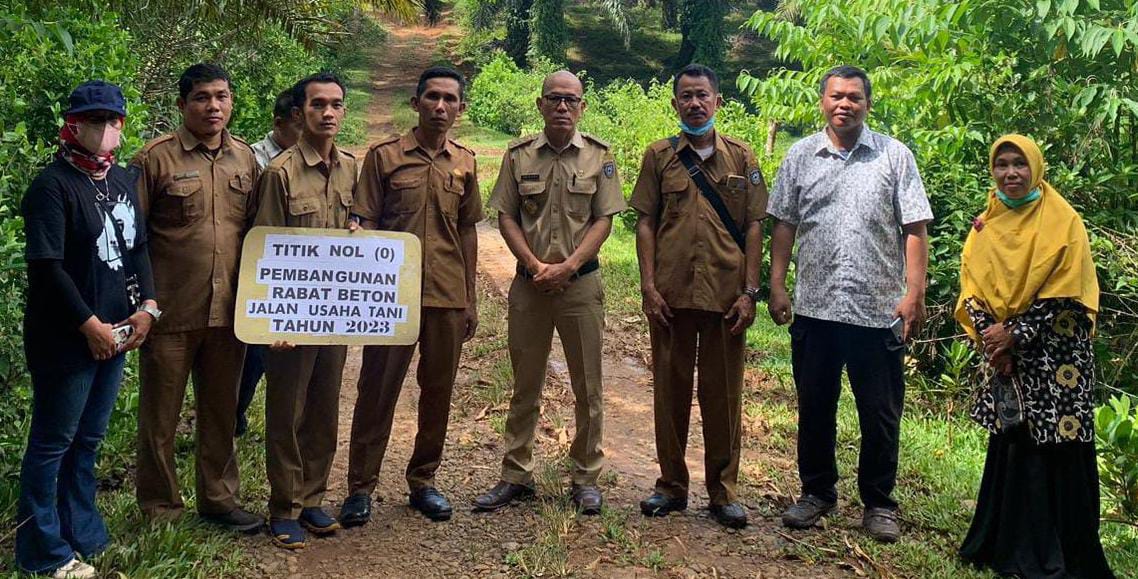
450, 198
304, 211
580, 198
406, 193
533, 197
239, 188
673, 192
183, 203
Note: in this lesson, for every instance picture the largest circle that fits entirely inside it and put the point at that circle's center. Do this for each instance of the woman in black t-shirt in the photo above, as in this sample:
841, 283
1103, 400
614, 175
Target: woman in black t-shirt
90, 300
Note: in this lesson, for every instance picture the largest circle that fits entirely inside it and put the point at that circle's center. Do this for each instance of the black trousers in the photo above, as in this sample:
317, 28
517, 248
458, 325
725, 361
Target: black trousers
874, 360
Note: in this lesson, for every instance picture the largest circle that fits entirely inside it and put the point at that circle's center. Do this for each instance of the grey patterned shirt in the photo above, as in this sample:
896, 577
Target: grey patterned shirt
265, 150
850, 265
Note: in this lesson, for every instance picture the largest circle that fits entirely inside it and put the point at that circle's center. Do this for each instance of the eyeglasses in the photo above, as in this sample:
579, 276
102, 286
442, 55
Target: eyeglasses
571, 102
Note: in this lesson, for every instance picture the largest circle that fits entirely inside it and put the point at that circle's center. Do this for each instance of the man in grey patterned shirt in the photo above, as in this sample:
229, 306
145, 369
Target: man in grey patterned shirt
854, 201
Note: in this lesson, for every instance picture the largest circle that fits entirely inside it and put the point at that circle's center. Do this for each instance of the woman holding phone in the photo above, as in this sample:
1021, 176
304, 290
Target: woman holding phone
90, 300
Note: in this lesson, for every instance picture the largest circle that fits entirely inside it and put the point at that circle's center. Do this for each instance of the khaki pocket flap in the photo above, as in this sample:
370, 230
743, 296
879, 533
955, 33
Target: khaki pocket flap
531, 188
184, 188
303, 205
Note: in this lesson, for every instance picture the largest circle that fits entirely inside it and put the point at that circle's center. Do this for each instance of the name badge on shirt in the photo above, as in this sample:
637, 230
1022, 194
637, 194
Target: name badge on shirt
531, 177
736, 182
187, 175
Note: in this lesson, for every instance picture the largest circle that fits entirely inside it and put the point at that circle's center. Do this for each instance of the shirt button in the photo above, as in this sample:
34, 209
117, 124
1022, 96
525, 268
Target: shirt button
218, 251
217, 221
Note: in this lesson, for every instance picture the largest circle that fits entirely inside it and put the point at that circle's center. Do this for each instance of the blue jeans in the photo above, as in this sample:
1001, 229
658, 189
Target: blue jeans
57, 513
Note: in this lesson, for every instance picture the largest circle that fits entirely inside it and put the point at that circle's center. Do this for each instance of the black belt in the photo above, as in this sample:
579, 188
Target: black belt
589, 267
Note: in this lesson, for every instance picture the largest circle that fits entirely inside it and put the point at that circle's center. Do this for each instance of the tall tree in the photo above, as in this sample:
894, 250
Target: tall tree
704, 36
550, 35
518, 29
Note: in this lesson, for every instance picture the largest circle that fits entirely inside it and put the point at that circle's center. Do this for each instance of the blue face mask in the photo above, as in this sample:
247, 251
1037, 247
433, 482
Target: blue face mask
1016, 203
698, 131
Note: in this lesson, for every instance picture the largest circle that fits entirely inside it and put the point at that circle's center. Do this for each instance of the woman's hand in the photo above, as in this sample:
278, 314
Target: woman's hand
997, 341
100, 339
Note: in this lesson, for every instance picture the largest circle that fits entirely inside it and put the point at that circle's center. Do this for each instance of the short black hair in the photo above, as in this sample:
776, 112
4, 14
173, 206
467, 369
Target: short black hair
300, 89
441, 72
198, 73
698, 71
282, 109
846, 71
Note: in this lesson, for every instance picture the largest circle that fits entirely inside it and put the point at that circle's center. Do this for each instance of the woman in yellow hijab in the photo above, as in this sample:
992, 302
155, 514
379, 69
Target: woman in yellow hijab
1029, 297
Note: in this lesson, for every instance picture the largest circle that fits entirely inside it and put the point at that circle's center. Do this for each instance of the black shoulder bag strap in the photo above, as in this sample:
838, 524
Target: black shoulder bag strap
687, 157
133, 290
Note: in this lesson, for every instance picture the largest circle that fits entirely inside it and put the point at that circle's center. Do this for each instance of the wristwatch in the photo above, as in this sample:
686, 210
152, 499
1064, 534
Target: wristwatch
754, 293
153, 311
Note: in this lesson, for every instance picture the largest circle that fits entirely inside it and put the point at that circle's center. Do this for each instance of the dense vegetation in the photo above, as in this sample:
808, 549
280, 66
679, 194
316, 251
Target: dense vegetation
48, 49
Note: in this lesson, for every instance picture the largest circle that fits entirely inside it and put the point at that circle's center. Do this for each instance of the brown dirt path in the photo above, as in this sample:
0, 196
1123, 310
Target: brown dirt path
540, 538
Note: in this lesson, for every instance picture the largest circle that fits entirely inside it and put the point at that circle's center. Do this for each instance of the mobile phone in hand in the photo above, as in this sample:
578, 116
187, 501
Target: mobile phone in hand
122, 334
898, 328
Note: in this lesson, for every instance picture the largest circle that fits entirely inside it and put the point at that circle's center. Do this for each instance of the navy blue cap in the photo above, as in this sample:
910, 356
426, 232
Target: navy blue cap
97, 95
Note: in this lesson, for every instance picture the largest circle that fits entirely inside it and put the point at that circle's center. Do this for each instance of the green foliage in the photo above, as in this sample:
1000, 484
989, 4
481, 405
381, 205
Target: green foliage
948, 78
550, 36
705, 37
1116, 427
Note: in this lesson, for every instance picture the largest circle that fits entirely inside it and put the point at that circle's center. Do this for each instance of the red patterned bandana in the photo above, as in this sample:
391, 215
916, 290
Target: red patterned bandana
71, 151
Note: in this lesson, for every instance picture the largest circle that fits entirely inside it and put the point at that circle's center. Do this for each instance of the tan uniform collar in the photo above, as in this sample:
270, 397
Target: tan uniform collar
190, 142
575, 141
312, 158
409, 143
720, 145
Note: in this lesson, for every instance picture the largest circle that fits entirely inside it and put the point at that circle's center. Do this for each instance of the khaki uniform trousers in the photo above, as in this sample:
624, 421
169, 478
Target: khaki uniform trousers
382, 374
302, 409
578, 315
695, 337
213, 356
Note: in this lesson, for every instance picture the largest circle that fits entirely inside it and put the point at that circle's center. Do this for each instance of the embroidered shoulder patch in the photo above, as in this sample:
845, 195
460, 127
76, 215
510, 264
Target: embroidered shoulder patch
609, 169
756, 177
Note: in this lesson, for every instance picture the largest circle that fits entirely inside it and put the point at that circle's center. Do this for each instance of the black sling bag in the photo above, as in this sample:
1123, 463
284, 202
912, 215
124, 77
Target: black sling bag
687, 157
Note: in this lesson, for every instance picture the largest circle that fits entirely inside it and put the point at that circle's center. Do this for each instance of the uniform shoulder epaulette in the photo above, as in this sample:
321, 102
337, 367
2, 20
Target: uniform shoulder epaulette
348, 153
522, 141
736, 141
603, 143
278, 162
242, 142
384, 141
660, 146
462, 146
156, 141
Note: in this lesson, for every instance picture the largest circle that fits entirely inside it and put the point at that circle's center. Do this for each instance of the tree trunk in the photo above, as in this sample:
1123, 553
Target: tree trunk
772, 135
548, 34
704, 37
518, 30
671, 14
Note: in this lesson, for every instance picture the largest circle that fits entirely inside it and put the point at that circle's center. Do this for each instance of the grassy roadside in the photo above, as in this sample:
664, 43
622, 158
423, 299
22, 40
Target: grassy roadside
942, 456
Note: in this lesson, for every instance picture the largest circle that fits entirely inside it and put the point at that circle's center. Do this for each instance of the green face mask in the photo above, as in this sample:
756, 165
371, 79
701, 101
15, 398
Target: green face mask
1016, 203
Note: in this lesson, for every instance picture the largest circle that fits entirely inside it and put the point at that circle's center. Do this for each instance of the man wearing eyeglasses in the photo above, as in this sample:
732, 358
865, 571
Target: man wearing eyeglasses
556, 194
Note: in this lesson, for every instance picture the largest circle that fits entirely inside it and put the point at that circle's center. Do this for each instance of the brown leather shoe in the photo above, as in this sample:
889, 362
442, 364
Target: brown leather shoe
501, 495
587, 498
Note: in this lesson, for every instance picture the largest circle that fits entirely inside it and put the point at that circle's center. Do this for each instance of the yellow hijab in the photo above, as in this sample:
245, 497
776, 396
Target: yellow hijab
1015, 256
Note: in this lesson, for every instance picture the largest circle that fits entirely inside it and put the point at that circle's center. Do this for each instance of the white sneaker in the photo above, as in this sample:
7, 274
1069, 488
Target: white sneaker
76, 569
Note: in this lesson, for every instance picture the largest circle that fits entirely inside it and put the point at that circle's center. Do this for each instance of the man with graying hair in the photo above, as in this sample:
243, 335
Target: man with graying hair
854, 201
556, 194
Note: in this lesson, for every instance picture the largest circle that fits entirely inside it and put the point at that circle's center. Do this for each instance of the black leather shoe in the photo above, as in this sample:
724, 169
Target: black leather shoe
432, 503
659, 505
356, 510
730, 515
238, 520
587, 498
501, 495
881, 524
807, 511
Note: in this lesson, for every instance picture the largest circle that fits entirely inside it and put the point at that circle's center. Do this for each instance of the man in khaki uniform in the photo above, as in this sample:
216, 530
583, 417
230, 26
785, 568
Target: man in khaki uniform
195, 187
556, 194
311, 184
426, 184
699, 287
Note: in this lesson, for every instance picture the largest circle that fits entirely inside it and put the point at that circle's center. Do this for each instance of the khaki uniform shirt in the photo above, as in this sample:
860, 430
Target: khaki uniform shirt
299, 189
555, 196
198, 207
404, 188
698, 265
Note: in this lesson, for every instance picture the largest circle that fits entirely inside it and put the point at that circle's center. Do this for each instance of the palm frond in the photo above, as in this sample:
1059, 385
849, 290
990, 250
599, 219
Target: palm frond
618, 14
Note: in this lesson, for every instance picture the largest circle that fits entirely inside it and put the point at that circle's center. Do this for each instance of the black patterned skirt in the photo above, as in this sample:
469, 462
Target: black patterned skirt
1038, 510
